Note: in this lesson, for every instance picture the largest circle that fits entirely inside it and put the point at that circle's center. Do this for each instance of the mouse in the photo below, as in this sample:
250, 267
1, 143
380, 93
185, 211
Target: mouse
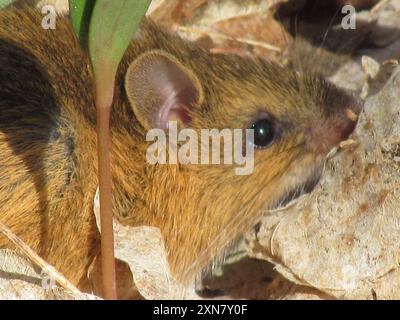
48, 163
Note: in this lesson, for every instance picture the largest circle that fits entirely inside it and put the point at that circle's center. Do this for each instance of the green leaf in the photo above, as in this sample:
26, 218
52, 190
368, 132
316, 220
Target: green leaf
111, 29
80, 14
110, 25
5, 3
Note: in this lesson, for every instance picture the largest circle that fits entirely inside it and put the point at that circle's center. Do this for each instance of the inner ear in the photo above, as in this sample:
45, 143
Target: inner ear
161, 89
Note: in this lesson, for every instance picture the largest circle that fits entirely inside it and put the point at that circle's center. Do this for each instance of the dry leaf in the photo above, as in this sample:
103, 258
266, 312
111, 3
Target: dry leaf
245, 28
20, 280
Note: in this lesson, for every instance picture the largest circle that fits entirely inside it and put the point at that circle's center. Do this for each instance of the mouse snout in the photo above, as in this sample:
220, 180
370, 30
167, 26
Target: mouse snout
332, 130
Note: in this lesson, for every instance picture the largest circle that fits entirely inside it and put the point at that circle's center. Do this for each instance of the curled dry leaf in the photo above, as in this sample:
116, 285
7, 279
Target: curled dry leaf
376, 75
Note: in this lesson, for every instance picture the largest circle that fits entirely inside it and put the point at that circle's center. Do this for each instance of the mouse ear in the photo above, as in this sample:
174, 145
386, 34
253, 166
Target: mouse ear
161, 89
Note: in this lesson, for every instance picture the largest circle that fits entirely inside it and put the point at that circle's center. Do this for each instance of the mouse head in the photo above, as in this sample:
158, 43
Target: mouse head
295, 120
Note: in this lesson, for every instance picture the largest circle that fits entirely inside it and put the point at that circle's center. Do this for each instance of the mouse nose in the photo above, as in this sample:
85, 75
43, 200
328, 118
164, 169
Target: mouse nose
333, 130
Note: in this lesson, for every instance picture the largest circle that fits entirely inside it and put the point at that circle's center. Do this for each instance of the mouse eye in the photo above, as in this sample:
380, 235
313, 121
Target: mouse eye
264, 132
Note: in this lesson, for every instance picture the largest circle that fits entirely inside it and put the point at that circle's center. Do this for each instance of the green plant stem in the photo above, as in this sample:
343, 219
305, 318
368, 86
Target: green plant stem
104, 98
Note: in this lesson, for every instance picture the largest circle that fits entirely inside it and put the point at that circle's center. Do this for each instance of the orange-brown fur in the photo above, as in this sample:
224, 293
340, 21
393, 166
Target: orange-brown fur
48, 169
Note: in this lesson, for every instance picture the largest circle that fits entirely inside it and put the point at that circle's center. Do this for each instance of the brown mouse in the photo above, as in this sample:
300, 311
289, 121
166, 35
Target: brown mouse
48, 167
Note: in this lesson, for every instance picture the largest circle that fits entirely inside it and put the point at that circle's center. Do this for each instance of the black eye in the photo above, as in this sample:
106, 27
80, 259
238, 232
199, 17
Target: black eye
264, 132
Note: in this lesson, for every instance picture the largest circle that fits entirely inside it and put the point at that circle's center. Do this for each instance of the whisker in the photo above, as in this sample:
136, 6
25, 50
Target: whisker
327, 31
287, 42
299, 65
